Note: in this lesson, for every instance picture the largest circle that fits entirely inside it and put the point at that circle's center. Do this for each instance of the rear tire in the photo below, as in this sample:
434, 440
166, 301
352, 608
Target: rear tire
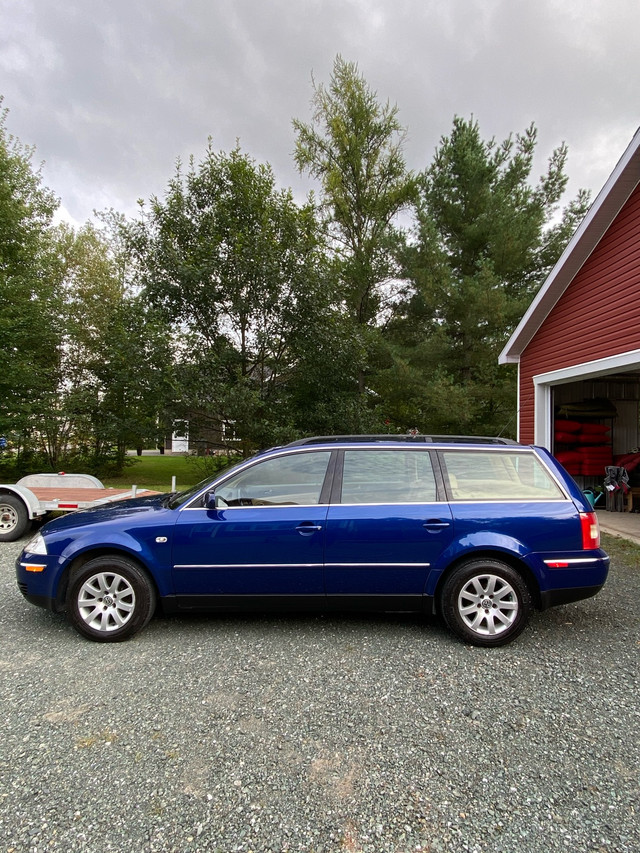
485, 602
110, 599
14, 518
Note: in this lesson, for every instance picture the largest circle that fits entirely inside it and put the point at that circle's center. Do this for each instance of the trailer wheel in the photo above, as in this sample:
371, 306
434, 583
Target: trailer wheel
14, 518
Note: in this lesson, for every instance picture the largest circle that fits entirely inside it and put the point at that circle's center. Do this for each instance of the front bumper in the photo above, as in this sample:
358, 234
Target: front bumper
38, 587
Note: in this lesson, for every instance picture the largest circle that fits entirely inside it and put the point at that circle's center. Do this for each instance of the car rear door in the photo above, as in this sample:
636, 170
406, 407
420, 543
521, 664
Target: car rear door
385, 527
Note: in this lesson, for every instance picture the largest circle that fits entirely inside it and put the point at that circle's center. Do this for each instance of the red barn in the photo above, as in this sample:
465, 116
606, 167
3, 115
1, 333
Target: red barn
578, 346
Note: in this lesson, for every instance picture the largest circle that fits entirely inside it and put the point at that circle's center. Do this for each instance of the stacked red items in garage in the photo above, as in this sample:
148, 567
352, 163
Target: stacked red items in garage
583, 448
630, 461
595, 460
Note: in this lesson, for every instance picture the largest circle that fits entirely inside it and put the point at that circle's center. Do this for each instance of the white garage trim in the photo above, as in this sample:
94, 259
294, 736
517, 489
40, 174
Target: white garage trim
543, 383
542, 416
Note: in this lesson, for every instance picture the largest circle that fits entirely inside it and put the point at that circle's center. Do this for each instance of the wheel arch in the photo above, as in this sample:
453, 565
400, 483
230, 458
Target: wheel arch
511, 560
107, 551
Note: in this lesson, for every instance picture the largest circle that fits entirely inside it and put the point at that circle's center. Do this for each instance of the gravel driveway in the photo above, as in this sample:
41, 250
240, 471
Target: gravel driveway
322, 734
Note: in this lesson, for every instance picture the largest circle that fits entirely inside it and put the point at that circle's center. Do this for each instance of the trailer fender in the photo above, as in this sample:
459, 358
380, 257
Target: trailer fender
18, 507
27, 497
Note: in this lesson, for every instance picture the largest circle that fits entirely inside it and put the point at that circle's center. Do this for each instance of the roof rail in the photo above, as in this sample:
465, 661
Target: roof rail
422, 439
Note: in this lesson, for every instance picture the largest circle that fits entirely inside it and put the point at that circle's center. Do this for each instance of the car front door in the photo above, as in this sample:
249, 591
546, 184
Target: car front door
387, 529
265, 538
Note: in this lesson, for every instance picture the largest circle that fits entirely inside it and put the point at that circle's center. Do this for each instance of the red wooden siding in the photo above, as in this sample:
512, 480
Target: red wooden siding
597, 316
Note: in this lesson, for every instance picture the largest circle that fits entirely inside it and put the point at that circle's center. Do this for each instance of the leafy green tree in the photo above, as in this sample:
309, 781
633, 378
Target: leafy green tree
485, 239
118, 353
30, 277
133, 368
354, 148
235, 264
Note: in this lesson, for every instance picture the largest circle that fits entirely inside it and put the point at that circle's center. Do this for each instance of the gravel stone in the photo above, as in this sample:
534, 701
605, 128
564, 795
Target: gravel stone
273, 734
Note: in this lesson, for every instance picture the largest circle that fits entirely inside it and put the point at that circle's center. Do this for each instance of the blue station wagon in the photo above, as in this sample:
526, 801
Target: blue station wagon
479, 531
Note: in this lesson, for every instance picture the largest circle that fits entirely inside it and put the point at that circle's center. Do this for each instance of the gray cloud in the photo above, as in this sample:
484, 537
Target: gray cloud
113, 93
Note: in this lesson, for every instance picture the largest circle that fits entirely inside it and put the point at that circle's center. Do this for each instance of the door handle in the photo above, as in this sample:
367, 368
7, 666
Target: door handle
308, 527
434, 525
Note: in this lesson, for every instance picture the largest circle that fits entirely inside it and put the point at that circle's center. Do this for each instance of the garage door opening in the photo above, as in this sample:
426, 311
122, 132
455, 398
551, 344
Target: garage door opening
592, 420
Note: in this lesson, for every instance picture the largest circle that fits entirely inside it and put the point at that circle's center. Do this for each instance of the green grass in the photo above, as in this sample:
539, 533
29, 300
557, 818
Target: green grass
622, 550
155, 472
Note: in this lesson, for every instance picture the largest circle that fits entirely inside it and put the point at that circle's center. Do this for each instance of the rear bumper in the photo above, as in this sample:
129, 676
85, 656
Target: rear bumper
571, 577
556, 597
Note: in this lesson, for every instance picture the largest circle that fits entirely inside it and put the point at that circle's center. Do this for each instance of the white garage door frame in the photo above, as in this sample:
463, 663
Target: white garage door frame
544, 382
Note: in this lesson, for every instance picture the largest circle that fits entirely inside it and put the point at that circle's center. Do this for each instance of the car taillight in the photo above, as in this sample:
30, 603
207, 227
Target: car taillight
590, 531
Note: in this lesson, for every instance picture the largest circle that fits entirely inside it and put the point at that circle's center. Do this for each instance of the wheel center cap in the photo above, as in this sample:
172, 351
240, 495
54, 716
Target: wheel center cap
487, 603
108, 601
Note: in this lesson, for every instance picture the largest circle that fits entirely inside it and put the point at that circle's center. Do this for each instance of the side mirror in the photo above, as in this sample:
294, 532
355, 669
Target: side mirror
210, 500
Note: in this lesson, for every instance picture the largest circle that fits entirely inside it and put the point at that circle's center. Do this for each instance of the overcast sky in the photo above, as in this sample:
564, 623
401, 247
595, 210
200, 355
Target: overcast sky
112, 92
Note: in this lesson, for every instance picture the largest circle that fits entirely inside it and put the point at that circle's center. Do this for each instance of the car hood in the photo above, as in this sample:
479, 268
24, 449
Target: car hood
115, 511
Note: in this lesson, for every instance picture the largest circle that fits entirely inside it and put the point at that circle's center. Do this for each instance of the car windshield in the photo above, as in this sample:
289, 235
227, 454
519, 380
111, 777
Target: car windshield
178, 498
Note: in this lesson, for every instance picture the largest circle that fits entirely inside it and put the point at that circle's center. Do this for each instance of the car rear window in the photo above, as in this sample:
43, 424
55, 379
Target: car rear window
387, 476
498, 476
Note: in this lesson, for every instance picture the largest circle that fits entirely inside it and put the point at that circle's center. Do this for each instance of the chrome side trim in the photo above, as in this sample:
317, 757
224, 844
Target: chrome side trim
511, 501
376, 565
298, 565
249, 566
266, 506
392, 503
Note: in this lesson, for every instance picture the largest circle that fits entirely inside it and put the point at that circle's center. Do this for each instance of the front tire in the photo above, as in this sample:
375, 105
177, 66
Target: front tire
110, 599
14, 518
485, 602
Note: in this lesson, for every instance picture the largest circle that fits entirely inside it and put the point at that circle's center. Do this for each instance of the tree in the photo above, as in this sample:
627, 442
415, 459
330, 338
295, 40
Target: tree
30, 275
354, 148
484, 242
118, 356
232, 261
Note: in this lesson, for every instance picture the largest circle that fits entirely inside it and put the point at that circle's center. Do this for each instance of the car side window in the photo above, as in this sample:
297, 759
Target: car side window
498, 476
295, 479
387, 476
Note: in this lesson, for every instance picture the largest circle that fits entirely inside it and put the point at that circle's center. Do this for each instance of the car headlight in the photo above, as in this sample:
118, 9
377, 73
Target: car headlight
37, 545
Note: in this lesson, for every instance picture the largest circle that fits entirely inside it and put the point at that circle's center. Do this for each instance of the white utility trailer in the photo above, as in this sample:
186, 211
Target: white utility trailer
38, 494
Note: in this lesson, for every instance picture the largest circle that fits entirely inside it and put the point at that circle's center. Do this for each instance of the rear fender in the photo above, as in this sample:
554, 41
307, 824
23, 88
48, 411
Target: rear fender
482, 544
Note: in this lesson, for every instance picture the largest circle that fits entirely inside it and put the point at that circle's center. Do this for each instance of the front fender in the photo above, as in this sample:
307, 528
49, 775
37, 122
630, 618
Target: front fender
152, 553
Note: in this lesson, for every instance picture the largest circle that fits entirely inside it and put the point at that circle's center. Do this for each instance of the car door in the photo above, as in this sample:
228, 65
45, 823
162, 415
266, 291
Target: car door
385, 528
265, 537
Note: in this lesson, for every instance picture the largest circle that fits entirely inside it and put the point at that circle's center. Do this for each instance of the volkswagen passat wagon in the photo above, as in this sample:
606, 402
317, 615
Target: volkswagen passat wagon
479, 531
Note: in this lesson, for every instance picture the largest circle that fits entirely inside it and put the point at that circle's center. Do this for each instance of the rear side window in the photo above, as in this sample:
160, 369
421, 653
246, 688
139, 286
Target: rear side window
498, 476
387, 476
